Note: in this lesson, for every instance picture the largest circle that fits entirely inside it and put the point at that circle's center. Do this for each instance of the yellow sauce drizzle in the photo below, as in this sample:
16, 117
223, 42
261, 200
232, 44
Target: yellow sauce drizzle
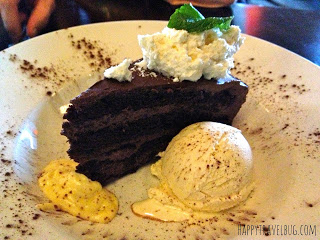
76, 194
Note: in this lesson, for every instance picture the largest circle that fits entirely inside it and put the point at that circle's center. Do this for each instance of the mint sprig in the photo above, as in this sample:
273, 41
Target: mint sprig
190, 19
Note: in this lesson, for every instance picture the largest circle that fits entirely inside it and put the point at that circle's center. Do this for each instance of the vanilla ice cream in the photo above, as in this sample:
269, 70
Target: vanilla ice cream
207, 167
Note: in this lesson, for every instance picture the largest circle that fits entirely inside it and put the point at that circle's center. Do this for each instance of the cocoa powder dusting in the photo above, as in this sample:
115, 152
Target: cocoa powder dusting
92, 52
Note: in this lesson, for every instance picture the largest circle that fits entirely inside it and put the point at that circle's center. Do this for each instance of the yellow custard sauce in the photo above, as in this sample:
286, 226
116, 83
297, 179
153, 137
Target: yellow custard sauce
76, 194
152, 209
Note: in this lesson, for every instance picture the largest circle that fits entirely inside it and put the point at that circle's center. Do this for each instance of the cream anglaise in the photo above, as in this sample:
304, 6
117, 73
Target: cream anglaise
76, 194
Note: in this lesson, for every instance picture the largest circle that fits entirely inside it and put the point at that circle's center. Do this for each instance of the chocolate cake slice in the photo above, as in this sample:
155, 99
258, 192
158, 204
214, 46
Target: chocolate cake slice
116, 127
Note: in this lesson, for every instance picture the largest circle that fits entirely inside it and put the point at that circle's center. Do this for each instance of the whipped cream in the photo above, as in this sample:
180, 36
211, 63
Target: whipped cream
189, 56
120, 72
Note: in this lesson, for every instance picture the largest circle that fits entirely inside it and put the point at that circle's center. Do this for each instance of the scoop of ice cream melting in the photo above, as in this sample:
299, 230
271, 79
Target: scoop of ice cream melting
207, 167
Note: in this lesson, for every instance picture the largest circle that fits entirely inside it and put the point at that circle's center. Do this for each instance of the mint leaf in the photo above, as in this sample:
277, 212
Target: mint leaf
190, 19
223, 23
186, 13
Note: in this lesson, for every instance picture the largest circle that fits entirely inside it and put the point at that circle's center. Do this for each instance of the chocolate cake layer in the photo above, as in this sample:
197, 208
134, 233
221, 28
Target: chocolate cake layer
115, 127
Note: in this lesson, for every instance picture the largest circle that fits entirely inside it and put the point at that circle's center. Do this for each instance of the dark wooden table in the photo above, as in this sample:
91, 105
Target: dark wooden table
295, 30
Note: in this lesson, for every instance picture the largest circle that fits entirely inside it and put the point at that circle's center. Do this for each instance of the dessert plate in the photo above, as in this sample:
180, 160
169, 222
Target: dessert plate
280, 120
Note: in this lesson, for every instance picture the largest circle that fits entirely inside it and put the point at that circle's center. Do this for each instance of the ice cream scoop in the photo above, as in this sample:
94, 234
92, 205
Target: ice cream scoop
207, 167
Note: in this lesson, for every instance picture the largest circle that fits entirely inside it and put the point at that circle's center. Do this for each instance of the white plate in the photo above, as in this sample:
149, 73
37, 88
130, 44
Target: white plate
280, 120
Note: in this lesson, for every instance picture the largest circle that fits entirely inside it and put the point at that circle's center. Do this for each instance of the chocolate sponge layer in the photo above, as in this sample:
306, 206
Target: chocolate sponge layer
116, 127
